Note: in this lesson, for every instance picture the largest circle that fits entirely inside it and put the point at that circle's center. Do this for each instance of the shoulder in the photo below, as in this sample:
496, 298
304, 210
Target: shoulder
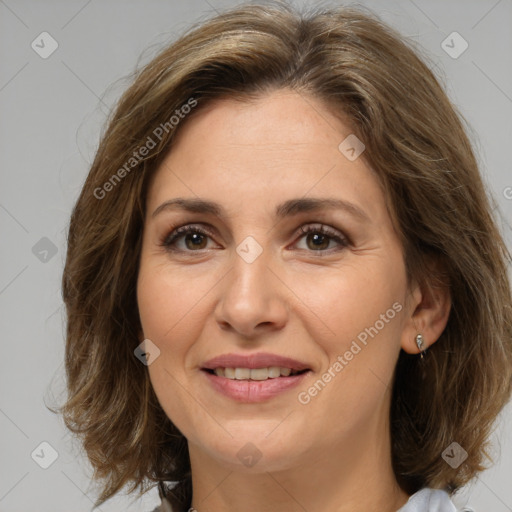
429, 500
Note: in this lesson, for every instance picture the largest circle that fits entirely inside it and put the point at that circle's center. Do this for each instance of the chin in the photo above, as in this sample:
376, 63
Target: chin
254, 451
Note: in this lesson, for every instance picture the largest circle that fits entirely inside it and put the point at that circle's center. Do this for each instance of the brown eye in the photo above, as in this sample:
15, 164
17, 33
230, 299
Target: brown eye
318, 238
194, 238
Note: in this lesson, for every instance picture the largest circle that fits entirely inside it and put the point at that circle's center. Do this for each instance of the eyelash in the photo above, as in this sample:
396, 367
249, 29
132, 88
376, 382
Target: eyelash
171, 239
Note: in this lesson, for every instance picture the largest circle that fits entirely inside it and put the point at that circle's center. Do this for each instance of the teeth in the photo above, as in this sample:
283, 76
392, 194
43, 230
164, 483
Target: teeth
254, 374
275, 371
242, 373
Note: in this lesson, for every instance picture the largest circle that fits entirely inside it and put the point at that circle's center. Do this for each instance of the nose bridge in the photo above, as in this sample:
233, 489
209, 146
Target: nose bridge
250, 274
250, 296
250, 268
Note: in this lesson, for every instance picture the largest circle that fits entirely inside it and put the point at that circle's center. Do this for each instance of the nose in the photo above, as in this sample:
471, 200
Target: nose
252, 298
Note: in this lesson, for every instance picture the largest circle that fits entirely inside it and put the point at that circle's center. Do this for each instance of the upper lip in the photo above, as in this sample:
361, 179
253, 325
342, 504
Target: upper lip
260, 360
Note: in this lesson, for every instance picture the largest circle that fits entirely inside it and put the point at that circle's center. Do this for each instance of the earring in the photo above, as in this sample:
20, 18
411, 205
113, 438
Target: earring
421, 344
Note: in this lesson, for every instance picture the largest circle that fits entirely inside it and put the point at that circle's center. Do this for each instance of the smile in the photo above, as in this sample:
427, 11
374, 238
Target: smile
242, 385
271, 372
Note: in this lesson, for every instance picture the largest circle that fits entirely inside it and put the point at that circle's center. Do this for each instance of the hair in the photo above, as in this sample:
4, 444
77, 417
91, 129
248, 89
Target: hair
416, 142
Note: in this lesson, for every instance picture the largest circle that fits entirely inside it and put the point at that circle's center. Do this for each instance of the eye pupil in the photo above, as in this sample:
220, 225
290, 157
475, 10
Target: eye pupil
196, 238
318, 236
318, 239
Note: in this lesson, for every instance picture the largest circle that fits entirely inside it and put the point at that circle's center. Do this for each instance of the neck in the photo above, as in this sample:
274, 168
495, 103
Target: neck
351, 477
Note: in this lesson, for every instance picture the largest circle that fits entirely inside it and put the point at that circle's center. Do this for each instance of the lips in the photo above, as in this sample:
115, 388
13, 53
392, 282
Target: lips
242, 385
253, 361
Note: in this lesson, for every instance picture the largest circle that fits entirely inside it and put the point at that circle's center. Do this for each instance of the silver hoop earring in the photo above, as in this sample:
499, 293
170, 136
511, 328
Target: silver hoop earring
421, 345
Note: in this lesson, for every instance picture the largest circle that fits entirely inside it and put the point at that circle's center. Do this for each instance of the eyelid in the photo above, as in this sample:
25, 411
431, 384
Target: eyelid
175, 233
334, 234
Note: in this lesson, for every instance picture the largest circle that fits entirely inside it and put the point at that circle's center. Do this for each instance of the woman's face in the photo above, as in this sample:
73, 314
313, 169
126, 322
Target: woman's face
246, 281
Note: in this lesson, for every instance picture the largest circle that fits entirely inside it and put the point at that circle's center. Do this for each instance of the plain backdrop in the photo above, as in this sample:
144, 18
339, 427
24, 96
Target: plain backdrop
52, 112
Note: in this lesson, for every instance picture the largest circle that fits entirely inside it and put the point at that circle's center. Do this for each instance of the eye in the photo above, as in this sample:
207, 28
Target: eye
321, 236
195, 238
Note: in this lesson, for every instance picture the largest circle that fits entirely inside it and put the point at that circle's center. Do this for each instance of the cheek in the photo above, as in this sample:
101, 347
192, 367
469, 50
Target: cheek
172, 316
360, 352
167, 300
356, 298
164, 319
363, 309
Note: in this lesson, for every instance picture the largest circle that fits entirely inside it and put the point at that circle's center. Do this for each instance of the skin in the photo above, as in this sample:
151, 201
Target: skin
332, 453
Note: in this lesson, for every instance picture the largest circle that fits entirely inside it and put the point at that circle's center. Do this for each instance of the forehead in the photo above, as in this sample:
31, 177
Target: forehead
281, 117
259, 153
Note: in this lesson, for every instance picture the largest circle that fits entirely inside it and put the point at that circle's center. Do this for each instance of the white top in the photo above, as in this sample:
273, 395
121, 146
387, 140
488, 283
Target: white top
425, 500
429, 500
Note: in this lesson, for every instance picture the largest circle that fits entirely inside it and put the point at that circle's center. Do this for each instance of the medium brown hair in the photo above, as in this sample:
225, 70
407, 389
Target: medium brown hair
417, 144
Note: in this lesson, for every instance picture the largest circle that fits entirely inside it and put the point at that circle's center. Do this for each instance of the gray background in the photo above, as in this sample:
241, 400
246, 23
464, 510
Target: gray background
52, 111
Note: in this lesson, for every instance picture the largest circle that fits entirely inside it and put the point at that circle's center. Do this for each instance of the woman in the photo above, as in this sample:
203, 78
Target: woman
285, 289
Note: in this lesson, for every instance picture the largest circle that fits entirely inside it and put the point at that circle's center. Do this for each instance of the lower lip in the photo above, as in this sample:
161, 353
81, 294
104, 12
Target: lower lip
250, 391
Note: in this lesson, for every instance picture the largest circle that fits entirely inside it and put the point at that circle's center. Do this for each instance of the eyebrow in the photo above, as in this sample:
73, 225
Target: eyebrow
286, 209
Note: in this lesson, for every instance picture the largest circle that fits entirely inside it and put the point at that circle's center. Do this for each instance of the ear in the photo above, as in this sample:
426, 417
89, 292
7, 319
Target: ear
427, 311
